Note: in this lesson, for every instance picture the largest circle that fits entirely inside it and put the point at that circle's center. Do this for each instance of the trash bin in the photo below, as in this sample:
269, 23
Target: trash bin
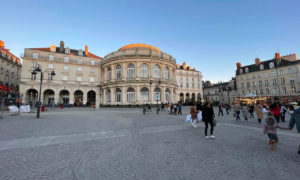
61, 106
43, 108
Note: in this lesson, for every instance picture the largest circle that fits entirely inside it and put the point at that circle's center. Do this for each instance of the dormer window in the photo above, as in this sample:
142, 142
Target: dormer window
271, 65
79, 61
261, 67
246, 70
67, 50
241, 71
35, 55
80, 52
51, 57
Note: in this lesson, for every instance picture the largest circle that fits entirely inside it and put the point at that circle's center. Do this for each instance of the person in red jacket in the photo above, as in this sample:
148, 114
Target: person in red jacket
275, 109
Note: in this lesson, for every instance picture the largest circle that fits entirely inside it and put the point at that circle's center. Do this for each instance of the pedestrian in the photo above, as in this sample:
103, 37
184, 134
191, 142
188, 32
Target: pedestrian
220, 110
245, 111
172, 106
251, 111
275, 109
180, 109
227, 108
162, 107
270, 127
259, 113
237, 110
149, 108
169, 107
208, 116
295, 119
291, 109
194, 116
175, 109
282, 113
199, 106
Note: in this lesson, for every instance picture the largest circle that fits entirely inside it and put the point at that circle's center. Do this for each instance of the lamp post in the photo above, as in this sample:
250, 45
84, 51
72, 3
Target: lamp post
157, 97
34, 72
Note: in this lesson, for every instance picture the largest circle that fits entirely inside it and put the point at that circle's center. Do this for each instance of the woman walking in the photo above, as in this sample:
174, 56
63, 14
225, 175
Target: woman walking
237, 110
245, 111
208, 117
259, 113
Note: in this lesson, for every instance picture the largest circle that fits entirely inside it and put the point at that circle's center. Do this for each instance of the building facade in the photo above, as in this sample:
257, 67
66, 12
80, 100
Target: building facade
212, 93
10, 71
278, 77
228, 92
189, 84
138, 74
133, 75
76, 81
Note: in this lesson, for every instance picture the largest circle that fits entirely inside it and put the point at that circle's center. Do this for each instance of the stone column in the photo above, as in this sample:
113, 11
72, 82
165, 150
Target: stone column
112, 95
137, 71
123, 72
84, 97
163, 95
56, 97
113, 75
151, 93
71, 97
124, 95
138, 95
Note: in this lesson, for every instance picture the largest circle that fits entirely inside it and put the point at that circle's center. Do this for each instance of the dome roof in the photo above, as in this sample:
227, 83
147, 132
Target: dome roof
139, 46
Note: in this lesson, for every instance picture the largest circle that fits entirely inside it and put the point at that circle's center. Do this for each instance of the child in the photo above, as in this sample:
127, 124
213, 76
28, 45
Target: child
270, 129
194, 116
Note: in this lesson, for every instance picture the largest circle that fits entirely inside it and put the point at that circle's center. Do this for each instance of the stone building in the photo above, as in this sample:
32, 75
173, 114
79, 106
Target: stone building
77, 75
212, 93
138, 74
10, 71
278, 77
189, 83
228, 92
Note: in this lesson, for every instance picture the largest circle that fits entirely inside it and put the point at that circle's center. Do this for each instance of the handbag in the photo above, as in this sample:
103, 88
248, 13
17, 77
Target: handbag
189, 118
199, 116
214, 122
234, 114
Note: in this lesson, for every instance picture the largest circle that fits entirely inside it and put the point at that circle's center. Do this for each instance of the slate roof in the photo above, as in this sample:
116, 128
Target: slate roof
254, 67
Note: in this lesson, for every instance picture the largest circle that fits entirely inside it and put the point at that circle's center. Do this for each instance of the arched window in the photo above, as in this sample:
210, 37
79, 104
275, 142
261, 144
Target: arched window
108, 95
118, 72
144, 71
167, 94
118, 95
145, 94
241, 71
156, 71
130, 95
166, 73
130, 71
261, 67
246, 70
109, 73
271, 65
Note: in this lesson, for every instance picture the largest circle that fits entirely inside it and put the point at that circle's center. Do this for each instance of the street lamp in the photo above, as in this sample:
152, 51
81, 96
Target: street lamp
34, 73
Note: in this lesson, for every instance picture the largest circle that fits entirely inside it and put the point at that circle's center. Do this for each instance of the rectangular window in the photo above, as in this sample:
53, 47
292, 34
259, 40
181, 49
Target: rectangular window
79, 61
78, 78
265, 74
51, 57
283, 90
119, 73
260, 83
273, 73
275, 91
92, 69
65, 78
35, 55
261, 91
93, 63
33, 77
50, 66
79, 69
253, 77
34, 64
248, 84
92, 79
130, 96
282, 81
66, 59
118, 97
49, 76
266, 82
254, 84
267, 91
281, 72
290, 70
259, 76
66, 68
130, 73
274, 81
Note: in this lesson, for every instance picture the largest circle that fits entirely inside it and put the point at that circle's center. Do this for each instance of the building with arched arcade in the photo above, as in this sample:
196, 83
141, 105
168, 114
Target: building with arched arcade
134, 74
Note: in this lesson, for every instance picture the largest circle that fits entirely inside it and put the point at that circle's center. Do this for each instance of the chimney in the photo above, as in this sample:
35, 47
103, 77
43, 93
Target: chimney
61, 46
2, 44
238, 65
277, 55
184, 65
257, 61
86, 50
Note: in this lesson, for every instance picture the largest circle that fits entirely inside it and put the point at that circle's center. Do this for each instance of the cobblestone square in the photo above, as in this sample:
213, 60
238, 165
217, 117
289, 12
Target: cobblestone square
125, 144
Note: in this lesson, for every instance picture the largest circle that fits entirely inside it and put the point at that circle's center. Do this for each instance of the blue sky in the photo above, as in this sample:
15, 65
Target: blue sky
211, 35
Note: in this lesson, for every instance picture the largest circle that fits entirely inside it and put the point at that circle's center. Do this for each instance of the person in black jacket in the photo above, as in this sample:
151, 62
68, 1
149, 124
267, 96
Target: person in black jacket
208, 116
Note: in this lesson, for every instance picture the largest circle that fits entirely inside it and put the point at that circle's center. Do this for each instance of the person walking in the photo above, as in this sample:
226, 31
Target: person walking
227, 108
258, 109
282, 113
194, 116
275, 109
180, 109
172, 106
208, 116
162, 107
237, 110
220, 110
245, 111
251, 111
295, 120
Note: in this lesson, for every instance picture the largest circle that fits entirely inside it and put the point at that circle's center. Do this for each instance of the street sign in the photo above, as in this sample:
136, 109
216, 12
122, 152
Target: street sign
157, 96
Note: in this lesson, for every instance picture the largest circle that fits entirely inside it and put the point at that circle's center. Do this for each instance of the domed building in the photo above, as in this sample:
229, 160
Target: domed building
138, 74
